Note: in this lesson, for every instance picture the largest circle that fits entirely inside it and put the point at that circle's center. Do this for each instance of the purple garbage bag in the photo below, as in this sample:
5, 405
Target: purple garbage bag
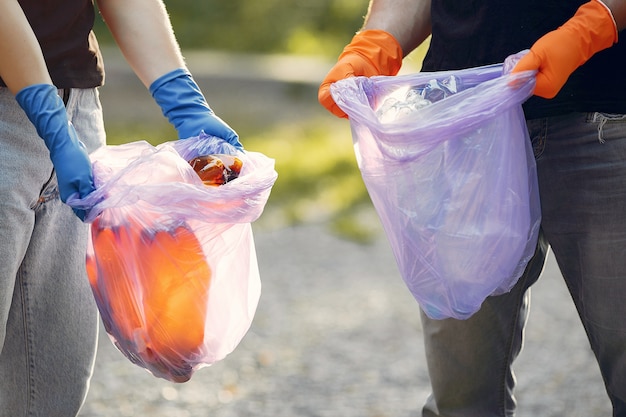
448, 164
171, 260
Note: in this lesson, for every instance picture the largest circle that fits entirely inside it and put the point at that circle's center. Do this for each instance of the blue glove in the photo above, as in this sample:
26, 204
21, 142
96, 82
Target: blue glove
185, 107
45, 109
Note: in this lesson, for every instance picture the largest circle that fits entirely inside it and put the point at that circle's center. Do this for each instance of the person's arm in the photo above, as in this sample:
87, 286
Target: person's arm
408, 21
21, 60
557, 54
144, 34
24, 71
618, 9
392, 29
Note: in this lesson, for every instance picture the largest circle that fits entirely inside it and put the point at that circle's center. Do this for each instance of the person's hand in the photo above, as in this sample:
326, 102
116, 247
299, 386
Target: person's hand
556, 55
45, 109
371, 52
185, 107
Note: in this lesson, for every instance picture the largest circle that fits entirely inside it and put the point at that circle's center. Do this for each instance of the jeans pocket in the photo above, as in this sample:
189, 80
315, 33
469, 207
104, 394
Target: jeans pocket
610, 125
537, 130
50, 191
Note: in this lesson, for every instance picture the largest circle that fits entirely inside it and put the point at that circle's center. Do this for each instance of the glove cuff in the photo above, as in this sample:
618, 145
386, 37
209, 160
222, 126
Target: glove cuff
181, 101
166, 78
45, 109
612, 19
595, 26
378, 47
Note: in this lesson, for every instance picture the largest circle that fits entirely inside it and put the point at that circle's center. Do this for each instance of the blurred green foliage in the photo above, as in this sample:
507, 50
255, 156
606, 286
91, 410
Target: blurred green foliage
318, 27
318, 176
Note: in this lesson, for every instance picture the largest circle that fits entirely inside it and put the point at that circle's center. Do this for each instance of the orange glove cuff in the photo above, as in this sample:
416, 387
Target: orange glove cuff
557, 54
595, 26
610, 18
377, 48
371, 52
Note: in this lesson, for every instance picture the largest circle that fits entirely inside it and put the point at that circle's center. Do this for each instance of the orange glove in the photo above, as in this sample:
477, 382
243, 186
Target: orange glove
557, 54
371, 52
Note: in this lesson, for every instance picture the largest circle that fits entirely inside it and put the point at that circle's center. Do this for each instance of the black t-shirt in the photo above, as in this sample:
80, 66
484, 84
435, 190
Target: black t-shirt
64, 31
473, 33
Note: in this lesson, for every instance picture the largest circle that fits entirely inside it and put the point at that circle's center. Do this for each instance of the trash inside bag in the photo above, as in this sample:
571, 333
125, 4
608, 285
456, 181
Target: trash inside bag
448, 164
171, 257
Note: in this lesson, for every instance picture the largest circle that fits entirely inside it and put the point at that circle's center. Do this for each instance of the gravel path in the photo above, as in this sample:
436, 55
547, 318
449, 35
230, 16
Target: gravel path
337, 334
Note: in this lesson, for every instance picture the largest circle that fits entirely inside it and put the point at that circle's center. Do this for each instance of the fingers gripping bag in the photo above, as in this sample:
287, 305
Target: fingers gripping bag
448, 164
171, 257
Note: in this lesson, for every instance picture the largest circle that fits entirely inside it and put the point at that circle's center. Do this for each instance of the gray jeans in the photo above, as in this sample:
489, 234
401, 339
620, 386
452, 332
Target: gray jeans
48, 317
581, 163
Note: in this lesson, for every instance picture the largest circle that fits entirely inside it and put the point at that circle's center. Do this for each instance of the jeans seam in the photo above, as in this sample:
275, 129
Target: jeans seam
23, 291
508, 363
513, 325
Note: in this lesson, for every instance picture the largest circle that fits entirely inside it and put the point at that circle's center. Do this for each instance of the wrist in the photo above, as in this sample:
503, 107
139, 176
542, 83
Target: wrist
166, 78
181, 101
46, 111
611, 19
379, 48
594, 26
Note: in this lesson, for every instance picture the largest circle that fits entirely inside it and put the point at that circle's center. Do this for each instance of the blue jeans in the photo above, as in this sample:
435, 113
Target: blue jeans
581, 163
48, 317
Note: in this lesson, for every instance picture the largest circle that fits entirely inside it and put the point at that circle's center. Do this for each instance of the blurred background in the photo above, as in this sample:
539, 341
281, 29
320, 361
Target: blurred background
336, 333
259, 64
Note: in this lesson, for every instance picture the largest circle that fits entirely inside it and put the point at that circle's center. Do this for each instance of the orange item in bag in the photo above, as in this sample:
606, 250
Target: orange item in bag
153, 287
111, 277
216, 169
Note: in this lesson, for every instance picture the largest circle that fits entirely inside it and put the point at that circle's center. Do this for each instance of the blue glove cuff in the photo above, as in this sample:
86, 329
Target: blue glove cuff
170, 76
44, 108
182, 102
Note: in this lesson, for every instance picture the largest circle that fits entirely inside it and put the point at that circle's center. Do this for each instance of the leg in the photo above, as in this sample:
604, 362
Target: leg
469, 361
52, 327
583, 192
24, 170
50, 318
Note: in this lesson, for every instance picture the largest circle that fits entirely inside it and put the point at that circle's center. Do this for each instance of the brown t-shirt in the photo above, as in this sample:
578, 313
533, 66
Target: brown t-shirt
70, 48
